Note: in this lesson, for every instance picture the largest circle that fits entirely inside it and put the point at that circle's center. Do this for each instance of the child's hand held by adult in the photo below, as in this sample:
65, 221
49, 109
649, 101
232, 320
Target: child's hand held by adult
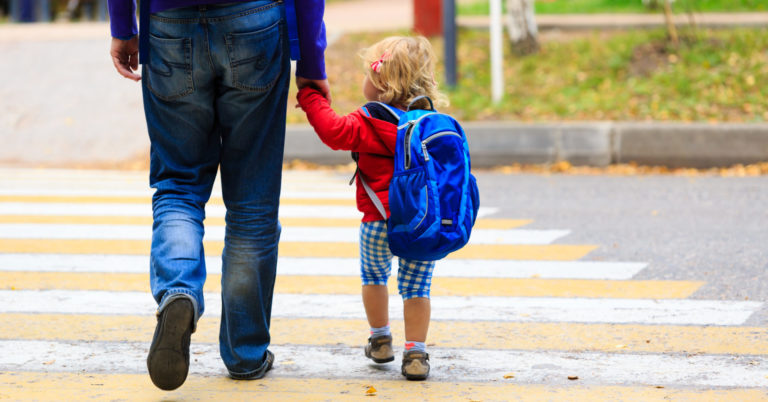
321, 85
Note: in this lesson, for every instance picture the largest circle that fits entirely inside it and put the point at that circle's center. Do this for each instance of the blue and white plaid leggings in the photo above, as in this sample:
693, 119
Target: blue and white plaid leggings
413, 277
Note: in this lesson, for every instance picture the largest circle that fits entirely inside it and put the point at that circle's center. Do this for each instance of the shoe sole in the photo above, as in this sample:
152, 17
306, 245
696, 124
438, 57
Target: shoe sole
415, 377
385, 360
167, 363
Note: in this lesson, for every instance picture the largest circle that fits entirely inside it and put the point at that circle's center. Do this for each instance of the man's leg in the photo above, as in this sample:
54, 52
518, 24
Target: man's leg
184, 159
251, 111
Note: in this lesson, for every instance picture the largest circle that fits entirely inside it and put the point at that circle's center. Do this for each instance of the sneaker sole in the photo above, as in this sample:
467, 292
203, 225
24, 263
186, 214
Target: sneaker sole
167, 364
385, 360
415, 377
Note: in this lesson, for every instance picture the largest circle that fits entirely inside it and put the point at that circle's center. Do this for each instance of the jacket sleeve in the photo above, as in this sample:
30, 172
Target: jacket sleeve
312, 43
352, 132
122, 18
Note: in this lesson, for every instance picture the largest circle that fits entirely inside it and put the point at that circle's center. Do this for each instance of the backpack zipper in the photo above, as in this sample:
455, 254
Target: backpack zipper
432, 137
426, 208
407, 138
407, 145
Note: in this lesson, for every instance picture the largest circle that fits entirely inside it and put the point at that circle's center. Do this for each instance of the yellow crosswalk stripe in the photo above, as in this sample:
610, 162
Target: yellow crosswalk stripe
77, 199
301, 284
293, 249
219, 221
53, 386
610, 338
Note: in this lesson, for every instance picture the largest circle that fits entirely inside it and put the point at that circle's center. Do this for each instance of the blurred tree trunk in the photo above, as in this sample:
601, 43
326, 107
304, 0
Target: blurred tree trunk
521, 24
669, 18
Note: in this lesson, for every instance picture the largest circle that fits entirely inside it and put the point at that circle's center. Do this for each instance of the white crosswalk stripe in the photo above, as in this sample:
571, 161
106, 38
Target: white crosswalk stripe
477, 308
289, 233
95, 209
84, 263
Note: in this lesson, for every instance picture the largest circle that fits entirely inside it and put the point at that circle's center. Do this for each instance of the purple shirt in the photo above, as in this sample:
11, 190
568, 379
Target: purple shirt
309, 18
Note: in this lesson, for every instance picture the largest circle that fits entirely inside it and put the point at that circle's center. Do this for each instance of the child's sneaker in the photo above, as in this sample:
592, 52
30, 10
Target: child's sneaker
379, 349
415, 365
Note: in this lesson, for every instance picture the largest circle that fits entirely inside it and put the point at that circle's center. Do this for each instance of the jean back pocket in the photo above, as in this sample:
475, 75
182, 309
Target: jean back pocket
170, 67
255, 58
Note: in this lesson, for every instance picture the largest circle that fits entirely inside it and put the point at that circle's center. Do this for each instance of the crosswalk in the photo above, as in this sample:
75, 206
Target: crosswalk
517, 314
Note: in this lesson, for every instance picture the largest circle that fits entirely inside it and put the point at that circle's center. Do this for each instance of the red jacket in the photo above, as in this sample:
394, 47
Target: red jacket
373, 138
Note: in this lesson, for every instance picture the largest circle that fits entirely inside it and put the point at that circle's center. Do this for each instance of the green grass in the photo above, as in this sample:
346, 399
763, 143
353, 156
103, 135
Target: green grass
719, 77
480, 7
715, 78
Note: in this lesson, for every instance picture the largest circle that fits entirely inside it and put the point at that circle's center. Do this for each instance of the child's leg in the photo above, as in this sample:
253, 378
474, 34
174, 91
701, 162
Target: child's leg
375, 268
376, 302
416, 311
414, 279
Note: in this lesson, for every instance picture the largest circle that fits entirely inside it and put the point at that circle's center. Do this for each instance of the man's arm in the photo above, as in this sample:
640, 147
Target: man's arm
310, 69
125, 45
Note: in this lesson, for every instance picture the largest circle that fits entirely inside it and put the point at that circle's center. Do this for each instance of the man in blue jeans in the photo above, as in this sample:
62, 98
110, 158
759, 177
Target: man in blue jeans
215, 82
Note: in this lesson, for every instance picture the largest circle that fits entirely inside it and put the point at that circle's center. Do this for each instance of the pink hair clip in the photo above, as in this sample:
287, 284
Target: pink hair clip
376, 65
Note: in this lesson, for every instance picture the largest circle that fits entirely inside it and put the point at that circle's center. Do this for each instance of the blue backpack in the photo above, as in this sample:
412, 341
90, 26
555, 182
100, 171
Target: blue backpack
433, 197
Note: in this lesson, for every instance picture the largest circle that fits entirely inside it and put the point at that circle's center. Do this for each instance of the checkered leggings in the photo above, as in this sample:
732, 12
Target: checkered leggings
413, 277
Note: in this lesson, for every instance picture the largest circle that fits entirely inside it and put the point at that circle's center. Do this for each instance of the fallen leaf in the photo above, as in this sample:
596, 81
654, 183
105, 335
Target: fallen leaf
621, 346
573, 377
198, 352
510, 375
659, 386
49, 362
371, 391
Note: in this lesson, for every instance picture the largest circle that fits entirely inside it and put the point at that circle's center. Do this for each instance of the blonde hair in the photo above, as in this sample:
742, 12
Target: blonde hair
406, 71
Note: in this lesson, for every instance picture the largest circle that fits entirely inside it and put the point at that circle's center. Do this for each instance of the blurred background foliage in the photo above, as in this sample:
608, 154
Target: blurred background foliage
480, 7
610, 75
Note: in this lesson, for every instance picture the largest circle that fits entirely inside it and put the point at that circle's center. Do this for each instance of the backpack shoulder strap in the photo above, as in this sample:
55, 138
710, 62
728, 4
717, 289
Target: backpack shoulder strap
374, 198
394, 112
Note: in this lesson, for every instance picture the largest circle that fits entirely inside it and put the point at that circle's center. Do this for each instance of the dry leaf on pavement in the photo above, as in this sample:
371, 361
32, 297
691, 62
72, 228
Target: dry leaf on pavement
371, 391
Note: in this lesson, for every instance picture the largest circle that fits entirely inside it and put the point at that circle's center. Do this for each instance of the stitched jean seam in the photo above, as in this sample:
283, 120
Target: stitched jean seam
215, 19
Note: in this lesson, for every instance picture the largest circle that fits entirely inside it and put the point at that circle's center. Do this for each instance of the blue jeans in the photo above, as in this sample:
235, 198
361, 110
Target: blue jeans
215, 94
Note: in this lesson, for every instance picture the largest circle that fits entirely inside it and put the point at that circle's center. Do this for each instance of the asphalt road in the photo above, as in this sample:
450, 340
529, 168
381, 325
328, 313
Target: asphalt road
710, 229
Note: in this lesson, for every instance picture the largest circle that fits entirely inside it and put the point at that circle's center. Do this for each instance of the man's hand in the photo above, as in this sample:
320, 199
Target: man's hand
320, 85
125, 57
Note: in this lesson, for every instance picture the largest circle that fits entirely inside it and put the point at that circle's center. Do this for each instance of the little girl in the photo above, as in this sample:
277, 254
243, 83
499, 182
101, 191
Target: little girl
397, 70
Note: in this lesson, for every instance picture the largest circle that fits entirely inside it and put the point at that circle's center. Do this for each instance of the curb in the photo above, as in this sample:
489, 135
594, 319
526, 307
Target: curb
697, 145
